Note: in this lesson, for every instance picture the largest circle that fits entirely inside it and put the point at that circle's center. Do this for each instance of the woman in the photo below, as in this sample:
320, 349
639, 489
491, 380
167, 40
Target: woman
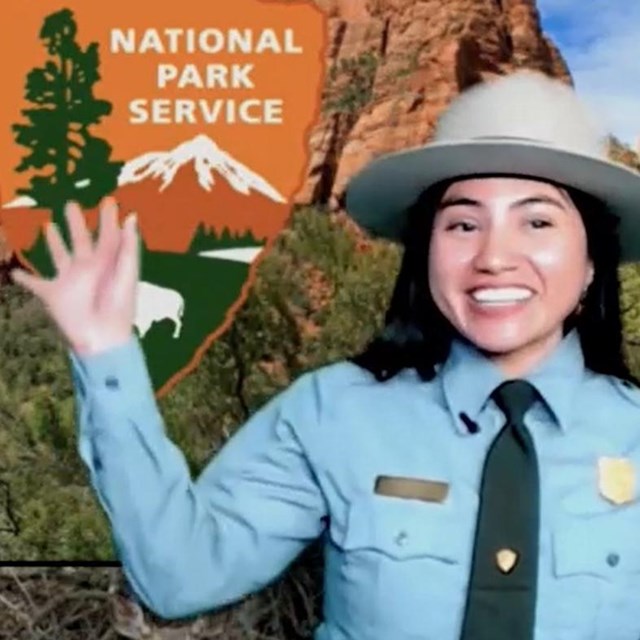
481, 483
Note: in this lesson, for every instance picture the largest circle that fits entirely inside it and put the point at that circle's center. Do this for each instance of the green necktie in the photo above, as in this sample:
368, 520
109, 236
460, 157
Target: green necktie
501, 596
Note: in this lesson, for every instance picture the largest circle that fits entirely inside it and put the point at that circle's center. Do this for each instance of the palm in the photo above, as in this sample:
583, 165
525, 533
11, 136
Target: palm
92, 297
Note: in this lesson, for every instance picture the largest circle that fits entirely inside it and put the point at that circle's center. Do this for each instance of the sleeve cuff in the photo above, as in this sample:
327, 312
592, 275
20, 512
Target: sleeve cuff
118, 375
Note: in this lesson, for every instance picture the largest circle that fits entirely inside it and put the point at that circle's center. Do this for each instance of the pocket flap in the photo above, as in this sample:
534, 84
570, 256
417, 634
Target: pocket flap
405, 528
603, 546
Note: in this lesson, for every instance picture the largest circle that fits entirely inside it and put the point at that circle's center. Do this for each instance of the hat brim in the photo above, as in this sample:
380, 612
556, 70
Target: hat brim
379, 196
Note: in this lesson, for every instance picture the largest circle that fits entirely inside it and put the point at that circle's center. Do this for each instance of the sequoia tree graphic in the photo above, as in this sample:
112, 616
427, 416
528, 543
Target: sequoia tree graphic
67, 161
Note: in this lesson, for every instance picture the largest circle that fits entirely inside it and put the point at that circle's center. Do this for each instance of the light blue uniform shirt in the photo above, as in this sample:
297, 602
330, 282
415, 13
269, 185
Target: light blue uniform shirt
305, 465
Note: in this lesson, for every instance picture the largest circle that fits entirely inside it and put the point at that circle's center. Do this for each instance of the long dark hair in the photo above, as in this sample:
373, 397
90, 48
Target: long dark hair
417, 335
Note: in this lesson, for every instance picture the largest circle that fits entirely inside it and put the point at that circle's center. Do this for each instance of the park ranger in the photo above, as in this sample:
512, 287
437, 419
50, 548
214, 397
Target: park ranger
473, 472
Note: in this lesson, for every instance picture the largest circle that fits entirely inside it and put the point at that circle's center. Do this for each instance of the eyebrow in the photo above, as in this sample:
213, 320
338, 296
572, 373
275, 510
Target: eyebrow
536, 199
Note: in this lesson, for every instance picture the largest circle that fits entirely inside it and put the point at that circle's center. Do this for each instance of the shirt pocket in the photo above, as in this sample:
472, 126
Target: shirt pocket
410, 559
597, 562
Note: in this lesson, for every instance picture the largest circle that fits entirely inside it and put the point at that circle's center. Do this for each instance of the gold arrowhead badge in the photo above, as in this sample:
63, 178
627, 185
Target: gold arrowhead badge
616, 479
506, 559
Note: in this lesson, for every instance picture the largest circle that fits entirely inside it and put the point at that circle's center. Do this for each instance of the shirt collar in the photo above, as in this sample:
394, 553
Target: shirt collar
468, 377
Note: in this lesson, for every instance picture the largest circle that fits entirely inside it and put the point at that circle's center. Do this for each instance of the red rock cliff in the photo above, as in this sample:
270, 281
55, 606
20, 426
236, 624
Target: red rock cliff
395, 64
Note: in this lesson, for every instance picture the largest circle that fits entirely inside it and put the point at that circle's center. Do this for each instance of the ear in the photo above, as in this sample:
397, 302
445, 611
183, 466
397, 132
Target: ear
590, 275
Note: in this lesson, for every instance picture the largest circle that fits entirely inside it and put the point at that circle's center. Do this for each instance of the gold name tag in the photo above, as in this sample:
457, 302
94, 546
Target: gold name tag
427, 490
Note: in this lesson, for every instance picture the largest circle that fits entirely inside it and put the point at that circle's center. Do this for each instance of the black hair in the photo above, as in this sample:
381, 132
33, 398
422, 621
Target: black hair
417, 335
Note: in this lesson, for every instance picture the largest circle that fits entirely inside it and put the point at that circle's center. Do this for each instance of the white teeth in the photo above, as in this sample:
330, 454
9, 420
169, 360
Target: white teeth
505, 295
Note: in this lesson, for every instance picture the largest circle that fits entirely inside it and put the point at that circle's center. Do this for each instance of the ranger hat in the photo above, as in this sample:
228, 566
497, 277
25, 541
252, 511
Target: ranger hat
524, 123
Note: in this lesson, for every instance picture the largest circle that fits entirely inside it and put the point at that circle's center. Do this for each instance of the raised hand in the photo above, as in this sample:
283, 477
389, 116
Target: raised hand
92, 298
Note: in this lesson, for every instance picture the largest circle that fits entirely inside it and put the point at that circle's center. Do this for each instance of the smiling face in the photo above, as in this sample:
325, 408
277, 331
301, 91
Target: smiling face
508, 263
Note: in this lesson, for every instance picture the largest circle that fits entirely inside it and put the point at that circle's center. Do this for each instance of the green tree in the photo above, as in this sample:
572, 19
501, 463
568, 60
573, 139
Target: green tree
248, 239
202, 239
67, 161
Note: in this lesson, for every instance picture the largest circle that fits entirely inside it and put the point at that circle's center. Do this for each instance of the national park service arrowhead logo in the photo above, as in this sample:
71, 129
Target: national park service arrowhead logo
506, 560
196, 119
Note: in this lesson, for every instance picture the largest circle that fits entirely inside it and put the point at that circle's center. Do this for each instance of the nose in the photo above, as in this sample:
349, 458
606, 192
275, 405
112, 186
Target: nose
495, 253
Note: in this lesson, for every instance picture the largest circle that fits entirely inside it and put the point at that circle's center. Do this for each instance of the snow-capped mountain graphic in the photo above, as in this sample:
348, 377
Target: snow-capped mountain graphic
207, 157
175, 192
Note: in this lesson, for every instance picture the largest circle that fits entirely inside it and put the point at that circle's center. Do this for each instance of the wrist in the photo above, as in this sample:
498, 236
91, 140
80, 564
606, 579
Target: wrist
100, 344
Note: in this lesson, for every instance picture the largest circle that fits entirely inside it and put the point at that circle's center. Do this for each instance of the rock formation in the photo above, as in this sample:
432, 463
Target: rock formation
394, 65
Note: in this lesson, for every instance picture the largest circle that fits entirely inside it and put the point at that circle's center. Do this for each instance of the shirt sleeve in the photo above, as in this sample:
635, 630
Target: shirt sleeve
192, 546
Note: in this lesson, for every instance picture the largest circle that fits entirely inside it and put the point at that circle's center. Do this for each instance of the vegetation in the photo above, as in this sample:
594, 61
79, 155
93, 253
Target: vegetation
319, 296
411, 64
350, 83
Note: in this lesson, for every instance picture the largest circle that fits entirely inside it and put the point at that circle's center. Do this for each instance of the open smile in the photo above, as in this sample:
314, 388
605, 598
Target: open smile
501, 296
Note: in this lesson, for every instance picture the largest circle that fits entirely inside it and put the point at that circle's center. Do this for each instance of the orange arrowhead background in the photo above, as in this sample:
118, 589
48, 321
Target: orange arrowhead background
277, 152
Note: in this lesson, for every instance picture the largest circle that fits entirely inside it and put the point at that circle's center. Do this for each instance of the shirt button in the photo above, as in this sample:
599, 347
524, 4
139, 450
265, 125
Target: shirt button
613, 559
111, 382
401, 538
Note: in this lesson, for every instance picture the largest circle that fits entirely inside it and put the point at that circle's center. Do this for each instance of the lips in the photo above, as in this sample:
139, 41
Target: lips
501, 295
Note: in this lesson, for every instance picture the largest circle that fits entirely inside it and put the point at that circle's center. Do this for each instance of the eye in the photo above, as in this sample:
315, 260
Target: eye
464, 226
540, 223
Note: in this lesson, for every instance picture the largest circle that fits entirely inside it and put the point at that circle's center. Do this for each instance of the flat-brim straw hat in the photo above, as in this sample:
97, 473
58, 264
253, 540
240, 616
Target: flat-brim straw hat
523, 124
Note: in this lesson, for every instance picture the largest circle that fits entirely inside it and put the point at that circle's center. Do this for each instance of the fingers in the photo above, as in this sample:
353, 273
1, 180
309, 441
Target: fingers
126, 271
57, 248
109, 236
35, 284
80, 237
